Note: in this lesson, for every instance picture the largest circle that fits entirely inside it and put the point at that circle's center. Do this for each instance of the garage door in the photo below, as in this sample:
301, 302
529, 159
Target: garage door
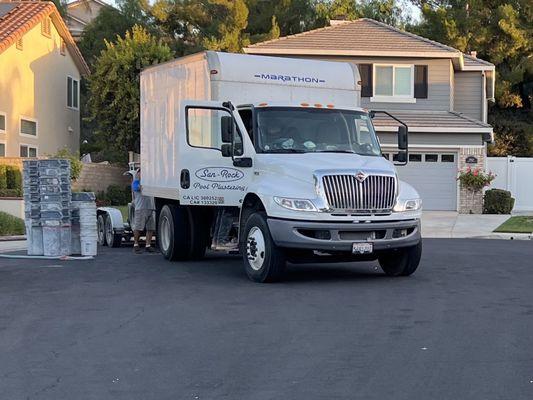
433, 175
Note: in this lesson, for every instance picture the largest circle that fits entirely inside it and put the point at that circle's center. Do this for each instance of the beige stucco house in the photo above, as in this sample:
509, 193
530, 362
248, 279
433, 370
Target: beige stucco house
40, 72
80, 13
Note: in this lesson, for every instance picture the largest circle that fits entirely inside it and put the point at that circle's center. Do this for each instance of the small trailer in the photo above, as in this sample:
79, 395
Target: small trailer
112, 228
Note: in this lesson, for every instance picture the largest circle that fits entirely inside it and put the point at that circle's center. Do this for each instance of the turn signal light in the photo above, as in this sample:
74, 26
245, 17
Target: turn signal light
330, 106
262, 104
304, 104
317, 105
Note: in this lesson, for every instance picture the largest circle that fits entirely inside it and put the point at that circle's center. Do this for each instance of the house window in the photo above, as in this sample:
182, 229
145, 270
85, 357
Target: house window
62, 47
2, 122
19, 43
46, 27
2, 149
431, 157
447, 158
415, 157
73, 92
393, 83
28, 127
28, 151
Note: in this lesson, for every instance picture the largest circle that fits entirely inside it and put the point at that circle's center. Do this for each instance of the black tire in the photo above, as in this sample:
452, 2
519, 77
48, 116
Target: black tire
183, 232
401, 262
100, 225
265, 266
200, 225
113, 239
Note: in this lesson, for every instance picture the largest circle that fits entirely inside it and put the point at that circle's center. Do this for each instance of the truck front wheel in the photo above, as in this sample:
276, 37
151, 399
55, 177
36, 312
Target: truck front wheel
263, 260
401, 262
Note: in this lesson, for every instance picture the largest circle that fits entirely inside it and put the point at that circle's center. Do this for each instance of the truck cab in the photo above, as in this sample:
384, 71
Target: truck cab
299, 181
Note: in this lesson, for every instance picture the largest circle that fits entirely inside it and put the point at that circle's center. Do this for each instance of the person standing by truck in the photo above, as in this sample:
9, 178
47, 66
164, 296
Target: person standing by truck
144, 216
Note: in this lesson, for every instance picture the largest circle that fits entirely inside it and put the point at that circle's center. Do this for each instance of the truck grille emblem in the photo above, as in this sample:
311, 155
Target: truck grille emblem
360, 176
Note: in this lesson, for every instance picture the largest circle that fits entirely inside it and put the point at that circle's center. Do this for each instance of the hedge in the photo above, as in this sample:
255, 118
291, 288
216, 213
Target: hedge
10, 181
10, 225
498, 201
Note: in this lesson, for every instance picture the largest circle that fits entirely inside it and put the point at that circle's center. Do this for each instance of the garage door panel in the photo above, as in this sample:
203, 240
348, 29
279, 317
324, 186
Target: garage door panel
435, 181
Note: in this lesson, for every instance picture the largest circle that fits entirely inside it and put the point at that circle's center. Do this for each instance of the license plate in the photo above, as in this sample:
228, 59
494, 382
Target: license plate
362, 248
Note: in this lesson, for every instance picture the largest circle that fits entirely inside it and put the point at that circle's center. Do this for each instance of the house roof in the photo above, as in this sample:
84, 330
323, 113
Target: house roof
19, 17
431, 121
361, 37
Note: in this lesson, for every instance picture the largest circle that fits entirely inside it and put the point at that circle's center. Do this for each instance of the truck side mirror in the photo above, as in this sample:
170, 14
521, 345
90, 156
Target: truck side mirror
227, 129
401, 157
402, 137
226, 149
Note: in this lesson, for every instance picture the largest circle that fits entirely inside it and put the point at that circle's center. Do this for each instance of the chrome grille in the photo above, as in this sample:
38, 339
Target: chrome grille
376, 193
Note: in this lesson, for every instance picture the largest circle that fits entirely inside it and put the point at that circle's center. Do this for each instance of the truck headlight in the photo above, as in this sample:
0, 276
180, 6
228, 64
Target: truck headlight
295, 204
408, 205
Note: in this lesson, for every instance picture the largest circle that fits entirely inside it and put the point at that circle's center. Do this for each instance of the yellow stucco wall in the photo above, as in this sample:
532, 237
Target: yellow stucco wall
33, 83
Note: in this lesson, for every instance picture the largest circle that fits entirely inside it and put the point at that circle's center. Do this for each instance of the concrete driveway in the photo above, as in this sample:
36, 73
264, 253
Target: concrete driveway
450, 224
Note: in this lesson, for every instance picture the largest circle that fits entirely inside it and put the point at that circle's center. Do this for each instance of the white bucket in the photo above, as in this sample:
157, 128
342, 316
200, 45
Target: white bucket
88, 247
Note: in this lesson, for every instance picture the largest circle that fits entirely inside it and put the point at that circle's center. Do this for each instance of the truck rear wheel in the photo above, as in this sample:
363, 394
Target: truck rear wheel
401, 262
100, 224
113, 239
263, 260
183, 233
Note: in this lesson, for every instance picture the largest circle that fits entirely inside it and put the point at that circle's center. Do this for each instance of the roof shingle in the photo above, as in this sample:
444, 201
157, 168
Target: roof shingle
18, 17
363, 37
431, 120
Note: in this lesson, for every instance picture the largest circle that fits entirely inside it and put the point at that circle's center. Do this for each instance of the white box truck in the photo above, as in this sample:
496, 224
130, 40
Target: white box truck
273, 157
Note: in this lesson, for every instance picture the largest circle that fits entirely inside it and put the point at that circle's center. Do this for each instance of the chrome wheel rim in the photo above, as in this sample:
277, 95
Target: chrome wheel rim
165, 233
101, 230
255, 248
109, 231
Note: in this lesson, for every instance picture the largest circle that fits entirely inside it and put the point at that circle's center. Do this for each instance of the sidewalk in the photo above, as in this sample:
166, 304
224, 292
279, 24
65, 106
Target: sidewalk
7, 246
450, 224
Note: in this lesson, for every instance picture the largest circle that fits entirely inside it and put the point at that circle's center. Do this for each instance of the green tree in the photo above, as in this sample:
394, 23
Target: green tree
230, 18
114, 88
110, 23
513, 133
500, 31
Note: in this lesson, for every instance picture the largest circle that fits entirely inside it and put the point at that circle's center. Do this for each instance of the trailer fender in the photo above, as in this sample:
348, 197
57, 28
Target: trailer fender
116, 217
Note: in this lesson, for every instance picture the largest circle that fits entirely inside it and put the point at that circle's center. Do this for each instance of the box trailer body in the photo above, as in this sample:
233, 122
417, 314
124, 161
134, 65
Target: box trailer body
213, 76
281, 145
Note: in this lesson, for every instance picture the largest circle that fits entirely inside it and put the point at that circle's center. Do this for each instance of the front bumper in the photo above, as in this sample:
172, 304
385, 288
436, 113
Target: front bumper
385, 235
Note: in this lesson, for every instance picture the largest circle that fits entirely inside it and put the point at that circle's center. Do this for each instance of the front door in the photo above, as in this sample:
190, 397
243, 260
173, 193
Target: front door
214, 180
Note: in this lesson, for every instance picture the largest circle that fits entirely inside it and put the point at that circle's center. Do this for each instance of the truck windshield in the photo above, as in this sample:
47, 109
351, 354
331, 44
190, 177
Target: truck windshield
313, 130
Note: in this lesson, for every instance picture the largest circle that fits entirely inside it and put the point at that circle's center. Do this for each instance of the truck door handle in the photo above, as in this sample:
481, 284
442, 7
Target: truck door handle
185, 179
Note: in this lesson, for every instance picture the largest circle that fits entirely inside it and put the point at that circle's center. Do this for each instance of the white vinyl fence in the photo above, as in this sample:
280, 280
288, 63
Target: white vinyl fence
516, 175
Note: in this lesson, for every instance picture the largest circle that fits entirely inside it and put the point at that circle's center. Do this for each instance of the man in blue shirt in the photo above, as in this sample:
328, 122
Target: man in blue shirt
144, 216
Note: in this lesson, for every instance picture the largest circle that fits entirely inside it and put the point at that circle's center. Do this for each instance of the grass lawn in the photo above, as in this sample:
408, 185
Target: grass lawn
124, 211
10, 225
518, 224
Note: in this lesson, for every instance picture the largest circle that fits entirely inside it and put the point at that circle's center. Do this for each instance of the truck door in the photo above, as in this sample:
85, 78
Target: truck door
217, 156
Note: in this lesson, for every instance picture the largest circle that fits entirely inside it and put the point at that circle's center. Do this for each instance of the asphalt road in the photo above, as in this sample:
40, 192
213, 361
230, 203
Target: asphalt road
137, 327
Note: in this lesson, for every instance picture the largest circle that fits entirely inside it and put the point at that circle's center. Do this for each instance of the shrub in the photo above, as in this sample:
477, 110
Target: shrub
10, 181
3, 177
10, 225
117, 195
10, 193
13, 178
498, 201
75, 164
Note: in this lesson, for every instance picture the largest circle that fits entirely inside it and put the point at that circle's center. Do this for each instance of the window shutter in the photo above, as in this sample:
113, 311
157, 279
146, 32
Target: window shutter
421, 81
365, 70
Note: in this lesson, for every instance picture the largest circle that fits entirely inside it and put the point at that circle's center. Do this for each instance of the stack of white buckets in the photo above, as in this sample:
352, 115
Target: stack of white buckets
84, 231
58, 222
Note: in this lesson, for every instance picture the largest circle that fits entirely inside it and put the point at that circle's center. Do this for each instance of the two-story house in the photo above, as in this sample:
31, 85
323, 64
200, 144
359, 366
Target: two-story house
80, 13
438, 91
40, 72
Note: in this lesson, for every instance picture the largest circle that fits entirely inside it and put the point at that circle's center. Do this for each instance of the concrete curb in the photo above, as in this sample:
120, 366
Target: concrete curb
12, 238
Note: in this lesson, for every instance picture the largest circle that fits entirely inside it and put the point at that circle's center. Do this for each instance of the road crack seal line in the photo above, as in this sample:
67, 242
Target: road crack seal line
46, 388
